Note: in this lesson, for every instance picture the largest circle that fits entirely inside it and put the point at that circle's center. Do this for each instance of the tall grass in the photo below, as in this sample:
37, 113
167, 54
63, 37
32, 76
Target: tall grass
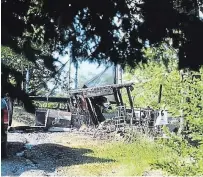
125, 159
133, 158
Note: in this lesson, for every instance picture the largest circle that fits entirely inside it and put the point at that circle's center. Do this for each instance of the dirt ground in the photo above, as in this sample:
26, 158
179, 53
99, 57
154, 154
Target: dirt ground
44, 154
55, 154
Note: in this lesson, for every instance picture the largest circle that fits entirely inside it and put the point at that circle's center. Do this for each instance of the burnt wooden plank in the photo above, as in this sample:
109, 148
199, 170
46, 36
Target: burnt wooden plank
50, 99
99, 91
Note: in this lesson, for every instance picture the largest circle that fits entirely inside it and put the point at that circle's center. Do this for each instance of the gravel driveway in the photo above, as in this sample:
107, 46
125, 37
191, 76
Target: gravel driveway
46, 153
39, 154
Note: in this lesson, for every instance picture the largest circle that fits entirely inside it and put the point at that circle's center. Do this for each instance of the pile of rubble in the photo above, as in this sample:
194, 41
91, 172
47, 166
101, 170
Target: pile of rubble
21, 116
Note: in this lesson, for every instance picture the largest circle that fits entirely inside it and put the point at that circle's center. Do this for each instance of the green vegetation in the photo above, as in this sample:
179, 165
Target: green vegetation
110, 29
36, 29
189, 159
123, 159
182, 92
132, 159
39, 75
161, 69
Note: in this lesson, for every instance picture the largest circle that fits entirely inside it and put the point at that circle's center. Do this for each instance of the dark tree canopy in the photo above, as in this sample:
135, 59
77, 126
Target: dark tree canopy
116, 30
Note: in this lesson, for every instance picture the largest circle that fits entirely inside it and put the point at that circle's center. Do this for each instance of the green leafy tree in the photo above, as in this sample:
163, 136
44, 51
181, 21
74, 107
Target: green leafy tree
38, 73
114, 30
182, 91
189, 146
160, 70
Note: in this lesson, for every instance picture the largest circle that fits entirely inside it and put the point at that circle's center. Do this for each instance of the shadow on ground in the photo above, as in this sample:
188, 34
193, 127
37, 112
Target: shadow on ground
44, 157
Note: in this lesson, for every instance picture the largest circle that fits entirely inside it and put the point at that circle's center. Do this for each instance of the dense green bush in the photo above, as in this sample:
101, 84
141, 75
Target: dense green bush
148, 78
181, 96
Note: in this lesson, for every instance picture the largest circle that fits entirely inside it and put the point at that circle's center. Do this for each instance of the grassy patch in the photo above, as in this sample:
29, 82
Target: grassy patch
132, 159
125, 159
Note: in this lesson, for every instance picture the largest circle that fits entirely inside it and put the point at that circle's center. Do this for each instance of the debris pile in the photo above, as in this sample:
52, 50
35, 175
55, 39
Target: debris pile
20, 115
90, 107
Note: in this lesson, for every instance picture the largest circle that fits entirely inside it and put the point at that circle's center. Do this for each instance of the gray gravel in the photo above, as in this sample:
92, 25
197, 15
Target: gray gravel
20, 115
39, 153
35, 154
18, 162
42, 153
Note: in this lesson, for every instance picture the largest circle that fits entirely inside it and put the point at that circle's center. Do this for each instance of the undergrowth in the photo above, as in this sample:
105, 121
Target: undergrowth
188, 160
125, 158
139, 155
134, 158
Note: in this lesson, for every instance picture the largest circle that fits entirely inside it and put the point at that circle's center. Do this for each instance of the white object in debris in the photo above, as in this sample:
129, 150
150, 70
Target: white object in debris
28, 146
83, 127
59, 114
20, 154
67, 117
162, 119
100, 125
59, 129
165, 136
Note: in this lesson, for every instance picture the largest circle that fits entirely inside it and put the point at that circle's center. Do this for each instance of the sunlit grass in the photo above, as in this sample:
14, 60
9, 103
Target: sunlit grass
132, 159
125, 159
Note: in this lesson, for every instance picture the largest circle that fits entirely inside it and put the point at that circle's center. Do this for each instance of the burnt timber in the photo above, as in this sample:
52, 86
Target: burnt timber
50, 99
99, 91
86, 93
90, 100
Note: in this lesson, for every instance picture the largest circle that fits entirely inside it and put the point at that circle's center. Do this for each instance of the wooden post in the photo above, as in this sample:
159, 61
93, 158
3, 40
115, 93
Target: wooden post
116, 96
160, 93
120, 97
129, 97
115, 74
131, 104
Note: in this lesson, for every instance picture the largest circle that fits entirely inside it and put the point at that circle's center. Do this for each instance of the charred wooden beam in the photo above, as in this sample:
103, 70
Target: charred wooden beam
99, 91
97, 110
120, 97
93, 116
116, 96
131, 104
130, 97
49, 99
86, 92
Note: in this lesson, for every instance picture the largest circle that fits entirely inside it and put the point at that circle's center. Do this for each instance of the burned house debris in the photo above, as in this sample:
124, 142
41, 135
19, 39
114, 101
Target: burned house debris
93, 99
92, 105
86, 105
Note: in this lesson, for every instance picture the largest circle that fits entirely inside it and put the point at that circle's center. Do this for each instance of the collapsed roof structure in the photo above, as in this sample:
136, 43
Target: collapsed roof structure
88, 101
87, 105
